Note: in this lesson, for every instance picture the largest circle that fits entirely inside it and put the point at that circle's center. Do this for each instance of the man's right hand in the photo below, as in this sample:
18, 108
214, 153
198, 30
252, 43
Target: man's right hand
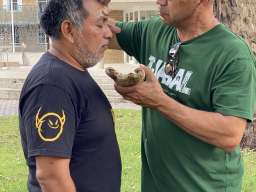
112, 25
115, 29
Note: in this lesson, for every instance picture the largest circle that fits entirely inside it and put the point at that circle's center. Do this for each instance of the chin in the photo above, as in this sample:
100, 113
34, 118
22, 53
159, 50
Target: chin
166, 18
91, 62
87, 65
168, 22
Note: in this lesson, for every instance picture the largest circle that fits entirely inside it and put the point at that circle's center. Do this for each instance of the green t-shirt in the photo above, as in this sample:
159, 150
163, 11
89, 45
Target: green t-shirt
216, 73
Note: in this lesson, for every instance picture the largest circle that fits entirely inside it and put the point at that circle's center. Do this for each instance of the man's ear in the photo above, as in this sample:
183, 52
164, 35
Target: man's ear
67, 30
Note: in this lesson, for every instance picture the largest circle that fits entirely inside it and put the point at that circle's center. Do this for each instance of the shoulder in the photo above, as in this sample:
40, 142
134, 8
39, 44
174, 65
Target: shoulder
154, 23
235, 45
49, 71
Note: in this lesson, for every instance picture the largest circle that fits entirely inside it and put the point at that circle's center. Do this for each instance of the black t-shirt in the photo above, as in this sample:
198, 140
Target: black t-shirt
64, 113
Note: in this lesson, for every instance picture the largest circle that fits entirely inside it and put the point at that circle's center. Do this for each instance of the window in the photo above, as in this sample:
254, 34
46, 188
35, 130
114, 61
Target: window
42, 5
131, 16
17, 33
147, 14
4, 35
136, 15
126, 17
16, 4
42, 38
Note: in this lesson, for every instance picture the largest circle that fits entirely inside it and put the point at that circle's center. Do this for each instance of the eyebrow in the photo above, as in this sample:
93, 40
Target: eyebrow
102, 15
102, 18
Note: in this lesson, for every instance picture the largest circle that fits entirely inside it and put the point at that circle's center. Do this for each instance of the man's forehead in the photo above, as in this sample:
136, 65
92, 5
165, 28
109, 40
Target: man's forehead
102, 12
99, 9
105, 11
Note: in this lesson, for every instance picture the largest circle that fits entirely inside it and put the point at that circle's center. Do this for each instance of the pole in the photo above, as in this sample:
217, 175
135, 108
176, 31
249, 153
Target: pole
13, 32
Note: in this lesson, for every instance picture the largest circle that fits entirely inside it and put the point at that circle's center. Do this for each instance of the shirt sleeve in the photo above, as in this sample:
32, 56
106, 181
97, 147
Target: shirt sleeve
130, 37
49, 120
233, 92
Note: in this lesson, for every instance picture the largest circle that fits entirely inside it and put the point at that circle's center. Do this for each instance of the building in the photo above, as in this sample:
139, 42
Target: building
19, 26
22, 39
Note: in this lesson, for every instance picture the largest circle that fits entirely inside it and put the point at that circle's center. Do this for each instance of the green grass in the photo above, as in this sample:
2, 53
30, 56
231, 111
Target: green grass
13, 171
128, 132
249, 182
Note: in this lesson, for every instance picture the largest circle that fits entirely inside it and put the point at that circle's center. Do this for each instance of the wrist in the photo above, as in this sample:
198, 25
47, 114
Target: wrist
162, 101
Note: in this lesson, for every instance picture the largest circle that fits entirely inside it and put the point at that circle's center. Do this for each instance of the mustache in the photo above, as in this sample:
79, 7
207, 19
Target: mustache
163, 10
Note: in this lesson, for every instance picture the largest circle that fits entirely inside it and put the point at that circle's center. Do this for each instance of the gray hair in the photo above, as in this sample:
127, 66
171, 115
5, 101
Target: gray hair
57, 11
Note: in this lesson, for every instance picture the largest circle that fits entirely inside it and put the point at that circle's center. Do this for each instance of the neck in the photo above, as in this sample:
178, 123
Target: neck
196, 25
58, 49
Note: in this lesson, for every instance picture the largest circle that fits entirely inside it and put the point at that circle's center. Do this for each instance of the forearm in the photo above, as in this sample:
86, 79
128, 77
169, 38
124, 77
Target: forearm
210, 127
55, 184
214, 128
53, 174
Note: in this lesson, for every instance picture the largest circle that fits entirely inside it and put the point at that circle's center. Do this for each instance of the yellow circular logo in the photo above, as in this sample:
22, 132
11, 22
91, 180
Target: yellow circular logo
50, 125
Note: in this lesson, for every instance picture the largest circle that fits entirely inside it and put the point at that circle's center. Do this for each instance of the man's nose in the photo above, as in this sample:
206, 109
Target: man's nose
107, 32
161, 2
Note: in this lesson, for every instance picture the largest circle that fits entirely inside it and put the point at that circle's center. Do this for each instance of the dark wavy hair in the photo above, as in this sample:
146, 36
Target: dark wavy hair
57, 11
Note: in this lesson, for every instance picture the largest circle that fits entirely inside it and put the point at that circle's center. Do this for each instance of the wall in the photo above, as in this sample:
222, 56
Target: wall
114, 56
21, 58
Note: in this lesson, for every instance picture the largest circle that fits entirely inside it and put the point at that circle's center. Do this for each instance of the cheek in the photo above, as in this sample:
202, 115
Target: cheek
93, 38
188, 7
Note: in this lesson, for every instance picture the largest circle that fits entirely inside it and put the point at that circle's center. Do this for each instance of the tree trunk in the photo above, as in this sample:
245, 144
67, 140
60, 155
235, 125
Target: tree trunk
240, 17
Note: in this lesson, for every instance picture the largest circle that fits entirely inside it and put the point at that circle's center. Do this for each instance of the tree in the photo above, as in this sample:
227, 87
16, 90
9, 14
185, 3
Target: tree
240, 17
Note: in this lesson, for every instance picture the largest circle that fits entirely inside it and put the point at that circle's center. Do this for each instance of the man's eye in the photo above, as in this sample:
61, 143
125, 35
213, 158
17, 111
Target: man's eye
100, 25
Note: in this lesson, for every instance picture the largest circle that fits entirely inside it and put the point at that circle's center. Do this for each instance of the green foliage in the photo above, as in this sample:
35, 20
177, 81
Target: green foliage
13, 170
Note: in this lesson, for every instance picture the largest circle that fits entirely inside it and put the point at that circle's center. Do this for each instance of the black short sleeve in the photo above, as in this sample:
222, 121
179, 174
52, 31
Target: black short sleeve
49, 122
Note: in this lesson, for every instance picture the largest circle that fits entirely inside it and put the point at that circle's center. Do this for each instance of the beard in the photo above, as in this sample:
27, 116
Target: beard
85, 57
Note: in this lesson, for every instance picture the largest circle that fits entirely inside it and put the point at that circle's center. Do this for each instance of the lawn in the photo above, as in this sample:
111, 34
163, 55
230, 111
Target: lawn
13, 171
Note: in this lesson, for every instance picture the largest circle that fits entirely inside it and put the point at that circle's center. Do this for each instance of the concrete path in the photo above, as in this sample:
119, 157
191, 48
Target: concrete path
10, 107
21, 72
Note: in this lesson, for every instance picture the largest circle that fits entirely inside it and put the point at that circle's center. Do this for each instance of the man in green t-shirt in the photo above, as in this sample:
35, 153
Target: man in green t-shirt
197, 98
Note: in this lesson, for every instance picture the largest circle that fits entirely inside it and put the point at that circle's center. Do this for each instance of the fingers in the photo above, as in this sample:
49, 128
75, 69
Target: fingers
124, 90
148, 73
115, 29
112, 25
133, 98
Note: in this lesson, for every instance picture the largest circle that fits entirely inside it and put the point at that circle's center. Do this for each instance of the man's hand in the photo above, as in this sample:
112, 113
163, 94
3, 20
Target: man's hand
113, 27
113, 42
214, 128
147, 93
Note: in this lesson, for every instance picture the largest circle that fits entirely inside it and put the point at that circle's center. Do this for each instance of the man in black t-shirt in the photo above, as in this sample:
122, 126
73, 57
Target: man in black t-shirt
66, 121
